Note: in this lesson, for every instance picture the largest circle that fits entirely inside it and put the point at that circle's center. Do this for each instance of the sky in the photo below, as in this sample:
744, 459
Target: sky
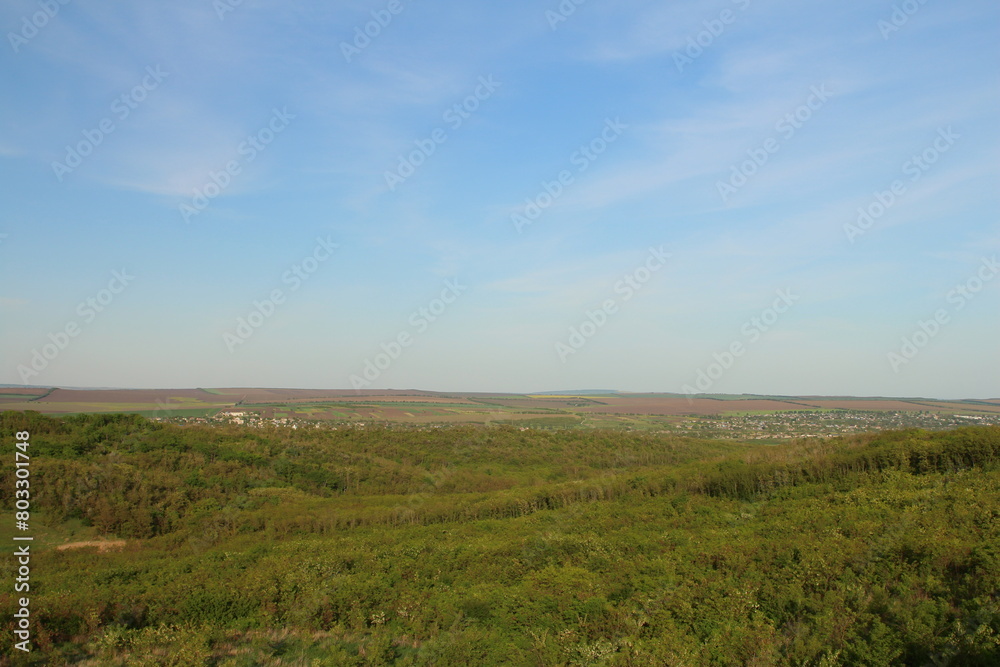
736, 196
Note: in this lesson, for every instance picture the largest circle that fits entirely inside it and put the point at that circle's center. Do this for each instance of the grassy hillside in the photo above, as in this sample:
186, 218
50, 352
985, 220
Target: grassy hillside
481, 546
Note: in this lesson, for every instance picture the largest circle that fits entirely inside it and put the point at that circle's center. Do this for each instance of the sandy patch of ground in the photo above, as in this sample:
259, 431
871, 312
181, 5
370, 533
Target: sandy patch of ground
102, 545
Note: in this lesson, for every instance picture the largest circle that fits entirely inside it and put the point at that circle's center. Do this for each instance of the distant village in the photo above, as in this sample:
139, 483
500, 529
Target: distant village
754, 426
239, 418
800, 424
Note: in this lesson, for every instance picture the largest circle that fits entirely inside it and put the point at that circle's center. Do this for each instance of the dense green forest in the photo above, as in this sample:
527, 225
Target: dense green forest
496, 545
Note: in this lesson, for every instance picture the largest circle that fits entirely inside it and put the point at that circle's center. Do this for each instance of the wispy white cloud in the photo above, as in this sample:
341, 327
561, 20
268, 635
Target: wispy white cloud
656, 185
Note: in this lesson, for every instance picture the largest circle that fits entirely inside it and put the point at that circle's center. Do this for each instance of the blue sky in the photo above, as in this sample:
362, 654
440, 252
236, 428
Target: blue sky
739, 138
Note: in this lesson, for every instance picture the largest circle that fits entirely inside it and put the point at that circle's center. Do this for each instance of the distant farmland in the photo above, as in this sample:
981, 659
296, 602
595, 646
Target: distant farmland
425, 407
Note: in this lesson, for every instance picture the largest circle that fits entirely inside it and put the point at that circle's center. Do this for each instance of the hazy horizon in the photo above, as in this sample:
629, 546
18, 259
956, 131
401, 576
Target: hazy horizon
742, 196
567, 392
